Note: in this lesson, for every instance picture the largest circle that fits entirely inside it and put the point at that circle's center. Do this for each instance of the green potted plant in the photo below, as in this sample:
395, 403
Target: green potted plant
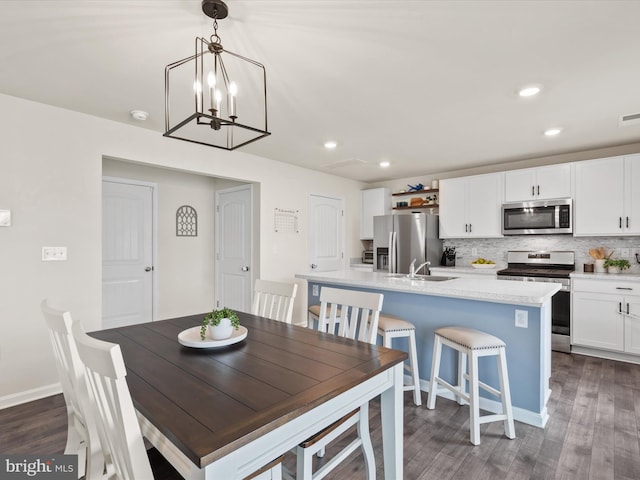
221, 324
616, 265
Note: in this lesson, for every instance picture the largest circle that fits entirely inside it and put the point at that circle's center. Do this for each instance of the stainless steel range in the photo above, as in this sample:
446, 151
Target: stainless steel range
547, 266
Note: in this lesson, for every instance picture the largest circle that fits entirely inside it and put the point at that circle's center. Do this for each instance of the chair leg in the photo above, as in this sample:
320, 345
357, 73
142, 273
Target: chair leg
509, 428
76, 445
474, 407
435, 371
367, 446
413, 362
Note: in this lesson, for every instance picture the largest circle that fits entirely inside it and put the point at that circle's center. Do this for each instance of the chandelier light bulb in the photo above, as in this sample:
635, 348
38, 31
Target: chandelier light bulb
218, 97
233, 91
211, 80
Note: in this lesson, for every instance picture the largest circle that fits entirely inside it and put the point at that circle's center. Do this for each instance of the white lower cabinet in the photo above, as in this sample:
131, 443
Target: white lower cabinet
606, 315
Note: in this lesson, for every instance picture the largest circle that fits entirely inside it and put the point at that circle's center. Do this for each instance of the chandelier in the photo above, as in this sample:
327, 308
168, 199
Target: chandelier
222, 96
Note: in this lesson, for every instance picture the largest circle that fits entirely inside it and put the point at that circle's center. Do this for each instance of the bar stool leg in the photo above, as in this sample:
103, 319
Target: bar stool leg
509, 428
462, 374
435, 371
413, 362
474, 399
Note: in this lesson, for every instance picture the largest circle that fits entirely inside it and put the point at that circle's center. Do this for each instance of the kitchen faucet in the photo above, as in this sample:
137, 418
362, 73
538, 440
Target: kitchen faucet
413, 271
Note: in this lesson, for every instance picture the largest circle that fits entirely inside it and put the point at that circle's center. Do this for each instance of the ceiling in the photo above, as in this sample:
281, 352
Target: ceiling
429, 86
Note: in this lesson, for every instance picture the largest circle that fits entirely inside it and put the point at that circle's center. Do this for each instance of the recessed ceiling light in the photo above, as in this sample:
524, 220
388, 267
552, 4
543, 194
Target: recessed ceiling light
552, 132
384, 164
530, 90
140, 115
330, 145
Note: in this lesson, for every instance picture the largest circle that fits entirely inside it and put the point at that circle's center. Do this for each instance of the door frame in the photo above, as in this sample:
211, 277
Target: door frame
254, 256
154, 236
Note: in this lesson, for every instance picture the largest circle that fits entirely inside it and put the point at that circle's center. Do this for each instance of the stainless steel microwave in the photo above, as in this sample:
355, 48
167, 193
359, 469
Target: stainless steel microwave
538, 217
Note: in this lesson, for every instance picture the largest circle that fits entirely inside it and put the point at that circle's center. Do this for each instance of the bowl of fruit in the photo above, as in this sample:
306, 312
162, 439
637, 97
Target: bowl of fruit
483, 263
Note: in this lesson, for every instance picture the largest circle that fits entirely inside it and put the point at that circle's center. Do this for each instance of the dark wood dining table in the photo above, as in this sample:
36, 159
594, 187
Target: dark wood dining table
223, 413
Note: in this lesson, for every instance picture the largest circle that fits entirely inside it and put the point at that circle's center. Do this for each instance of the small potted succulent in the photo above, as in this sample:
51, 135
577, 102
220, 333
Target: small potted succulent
616, 265
221, 324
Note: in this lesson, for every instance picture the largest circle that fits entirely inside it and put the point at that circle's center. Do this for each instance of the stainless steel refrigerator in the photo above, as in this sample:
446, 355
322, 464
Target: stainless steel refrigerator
398, 239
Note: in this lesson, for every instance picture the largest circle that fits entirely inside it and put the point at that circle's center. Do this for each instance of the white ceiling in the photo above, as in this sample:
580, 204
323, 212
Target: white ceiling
428, 85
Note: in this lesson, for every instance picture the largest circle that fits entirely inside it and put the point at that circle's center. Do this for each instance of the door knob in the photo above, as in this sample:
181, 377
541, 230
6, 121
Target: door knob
313, 265
245, 268
148, 269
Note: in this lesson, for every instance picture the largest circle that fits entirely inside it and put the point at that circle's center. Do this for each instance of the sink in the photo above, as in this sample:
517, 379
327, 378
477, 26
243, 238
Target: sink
432, 278
423, 278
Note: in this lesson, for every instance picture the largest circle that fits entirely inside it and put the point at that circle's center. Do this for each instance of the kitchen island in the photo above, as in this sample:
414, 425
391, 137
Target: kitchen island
482, 303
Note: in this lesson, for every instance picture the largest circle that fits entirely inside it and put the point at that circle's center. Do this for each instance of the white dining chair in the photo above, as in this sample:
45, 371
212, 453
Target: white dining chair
82, 438
112, 407
115, 416
355, 315
274, 300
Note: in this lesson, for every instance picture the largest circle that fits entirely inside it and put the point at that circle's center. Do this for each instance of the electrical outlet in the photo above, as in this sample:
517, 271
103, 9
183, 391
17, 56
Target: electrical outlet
54, 254
522, 318
315, 290
624, 253
474, 252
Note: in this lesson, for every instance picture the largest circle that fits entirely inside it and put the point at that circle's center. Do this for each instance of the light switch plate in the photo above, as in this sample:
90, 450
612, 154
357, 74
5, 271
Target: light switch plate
54, 254
5, 218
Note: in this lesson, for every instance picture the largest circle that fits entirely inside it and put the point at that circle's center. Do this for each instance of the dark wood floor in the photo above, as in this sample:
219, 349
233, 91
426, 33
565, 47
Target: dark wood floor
593, 432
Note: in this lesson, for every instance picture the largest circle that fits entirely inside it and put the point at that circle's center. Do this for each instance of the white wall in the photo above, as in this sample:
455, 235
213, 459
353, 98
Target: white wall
50, 178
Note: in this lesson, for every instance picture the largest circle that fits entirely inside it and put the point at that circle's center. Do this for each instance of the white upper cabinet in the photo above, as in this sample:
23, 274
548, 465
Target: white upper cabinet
608, 196
542, 183
470, 206
375, 201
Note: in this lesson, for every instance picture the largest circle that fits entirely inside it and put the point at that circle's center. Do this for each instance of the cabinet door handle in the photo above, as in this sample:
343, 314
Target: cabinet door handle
627, 222
619, 307
533, 190
619, 222
538, 189
469, 228
627, 308
466, 226
624, 288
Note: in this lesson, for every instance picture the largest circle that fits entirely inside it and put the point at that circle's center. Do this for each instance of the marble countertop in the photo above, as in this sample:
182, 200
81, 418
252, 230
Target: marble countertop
614, 277
469, 269
468, 288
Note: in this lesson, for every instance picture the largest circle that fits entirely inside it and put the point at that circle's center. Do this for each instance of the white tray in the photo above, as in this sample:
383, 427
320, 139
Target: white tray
191, 338
483, 265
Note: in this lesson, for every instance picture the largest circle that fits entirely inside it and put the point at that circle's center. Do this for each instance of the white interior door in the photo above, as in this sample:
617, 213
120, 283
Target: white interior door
326, 233
233, 237
127, 253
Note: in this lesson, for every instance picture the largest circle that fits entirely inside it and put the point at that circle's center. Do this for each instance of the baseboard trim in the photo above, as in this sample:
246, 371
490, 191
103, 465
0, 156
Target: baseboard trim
596, 352
29, 395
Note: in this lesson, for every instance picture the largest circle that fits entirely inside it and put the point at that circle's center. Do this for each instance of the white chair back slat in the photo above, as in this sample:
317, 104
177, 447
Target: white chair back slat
274, 300
113, 408
82, 437
350, 313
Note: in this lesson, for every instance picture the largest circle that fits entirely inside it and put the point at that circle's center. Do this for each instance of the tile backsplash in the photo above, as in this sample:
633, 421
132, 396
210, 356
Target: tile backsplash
496, 248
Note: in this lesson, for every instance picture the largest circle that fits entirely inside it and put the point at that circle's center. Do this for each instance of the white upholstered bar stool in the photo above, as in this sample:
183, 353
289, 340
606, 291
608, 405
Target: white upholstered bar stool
472, 344
390, 327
